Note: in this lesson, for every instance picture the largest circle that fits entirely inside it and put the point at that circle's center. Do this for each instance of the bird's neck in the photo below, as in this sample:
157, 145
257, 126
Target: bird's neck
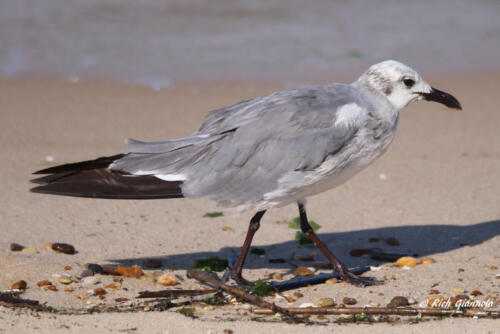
381, 105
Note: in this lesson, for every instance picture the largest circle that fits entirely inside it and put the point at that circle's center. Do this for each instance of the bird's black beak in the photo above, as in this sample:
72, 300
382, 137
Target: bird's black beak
439, 96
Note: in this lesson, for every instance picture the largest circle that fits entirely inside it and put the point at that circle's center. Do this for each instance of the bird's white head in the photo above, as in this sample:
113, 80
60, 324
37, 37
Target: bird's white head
401, 85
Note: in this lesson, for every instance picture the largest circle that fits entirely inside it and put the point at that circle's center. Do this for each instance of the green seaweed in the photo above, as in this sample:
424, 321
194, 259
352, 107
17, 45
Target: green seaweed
211, 264
187, 310
213, 214
301, 238
215, 300
261, 289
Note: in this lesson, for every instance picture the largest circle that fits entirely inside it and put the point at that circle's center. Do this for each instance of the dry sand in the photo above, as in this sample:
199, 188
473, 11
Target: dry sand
436, 191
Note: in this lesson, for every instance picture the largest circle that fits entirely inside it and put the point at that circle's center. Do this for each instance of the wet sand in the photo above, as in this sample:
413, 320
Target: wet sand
436, 190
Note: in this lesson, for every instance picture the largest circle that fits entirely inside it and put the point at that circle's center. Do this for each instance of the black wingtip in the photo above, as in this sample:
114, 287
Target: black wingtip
102, 162
50, 178
108, 184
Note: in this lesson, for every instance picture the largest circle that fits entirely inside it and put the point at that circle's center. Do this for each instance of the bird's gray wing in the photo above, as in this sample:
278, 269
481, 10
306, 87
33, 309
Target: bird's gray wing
255, 144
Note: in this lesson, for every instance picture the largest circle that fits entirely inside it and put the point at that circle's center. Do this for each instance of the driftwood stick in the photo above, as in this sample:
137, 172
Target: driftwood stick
387, 311
273, 308
174, 293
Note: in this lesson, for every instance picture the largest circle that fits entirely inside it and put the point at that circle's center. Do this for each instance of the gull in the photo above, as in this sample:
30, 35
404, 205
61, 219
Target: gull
262, 153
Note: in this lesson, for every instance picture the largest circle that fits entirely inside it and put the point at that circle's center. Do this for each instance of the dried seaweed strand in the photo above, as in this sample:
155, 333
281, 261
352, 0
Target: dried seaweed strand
174, 293
386, 311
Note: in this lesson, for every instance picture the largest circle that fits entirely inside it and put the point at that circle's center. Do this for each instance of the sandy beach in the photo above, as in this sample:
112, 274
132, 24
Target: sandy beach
436, 191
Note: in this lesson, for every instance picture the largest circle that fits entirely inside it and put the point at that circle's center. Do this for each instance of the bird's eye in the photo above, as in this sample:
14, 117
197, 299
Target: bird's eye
409, 82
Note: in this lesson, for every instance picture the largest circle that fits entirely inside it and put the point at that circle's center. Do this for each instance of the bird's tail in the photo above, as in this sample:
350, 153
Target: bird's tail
94, 179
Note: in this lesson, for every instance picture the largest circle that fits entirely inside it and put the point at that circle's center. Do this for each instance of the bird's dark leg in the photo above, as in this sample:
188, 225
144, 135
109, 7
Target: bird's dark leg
338, 266
238, 266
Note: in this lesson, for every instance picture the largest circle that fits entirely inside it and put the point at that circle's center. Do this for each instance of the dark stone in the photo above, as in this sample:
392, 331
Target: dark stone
63, 248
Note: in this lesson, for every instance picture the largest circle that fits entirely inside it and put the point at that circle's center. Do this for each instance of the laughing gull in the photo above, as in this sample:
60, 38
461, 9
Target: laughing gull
262, 153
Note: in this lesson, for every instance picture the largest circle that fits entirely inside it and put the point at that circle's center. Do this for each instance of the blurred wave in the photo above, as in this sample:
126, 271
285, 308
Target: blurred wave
157, 42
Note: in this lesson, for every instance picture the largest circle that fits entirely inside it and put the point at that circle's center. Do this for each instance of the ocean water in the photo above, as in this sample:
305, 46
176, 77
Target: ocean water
157, 42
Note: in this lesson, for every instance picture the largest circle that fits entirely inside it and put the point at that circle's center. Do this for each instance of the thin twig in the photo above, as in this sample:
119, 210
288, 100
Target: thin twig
385, 311
273, 308
174, 293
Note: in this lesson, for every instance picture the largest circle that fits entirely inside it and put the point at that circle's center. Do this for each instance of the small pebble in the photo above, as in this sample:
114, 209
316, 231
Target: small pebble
68, 289
29, 250
63, 248
427, 260
302, 271
99, 291
44, 283
65, 280
298, 294
308, 258
358, 252
392, 241
304, 305
166, 280
434, 301
434, 292
111, 286
382, 176
398, 301
373, 304
90, 280
346, 316
133, 272
16, 247
476, 293
21, 285
67, 268
349, 301
154, 264
454, 300
277, 277
457, 290
331, 281
412, 300
326, 302
406, 261
52, 287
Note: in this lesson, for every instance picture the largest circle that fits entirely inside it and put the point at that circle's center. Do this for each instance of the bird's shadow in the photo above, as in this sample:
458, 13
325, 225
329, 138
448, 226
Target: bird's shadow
420, 240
